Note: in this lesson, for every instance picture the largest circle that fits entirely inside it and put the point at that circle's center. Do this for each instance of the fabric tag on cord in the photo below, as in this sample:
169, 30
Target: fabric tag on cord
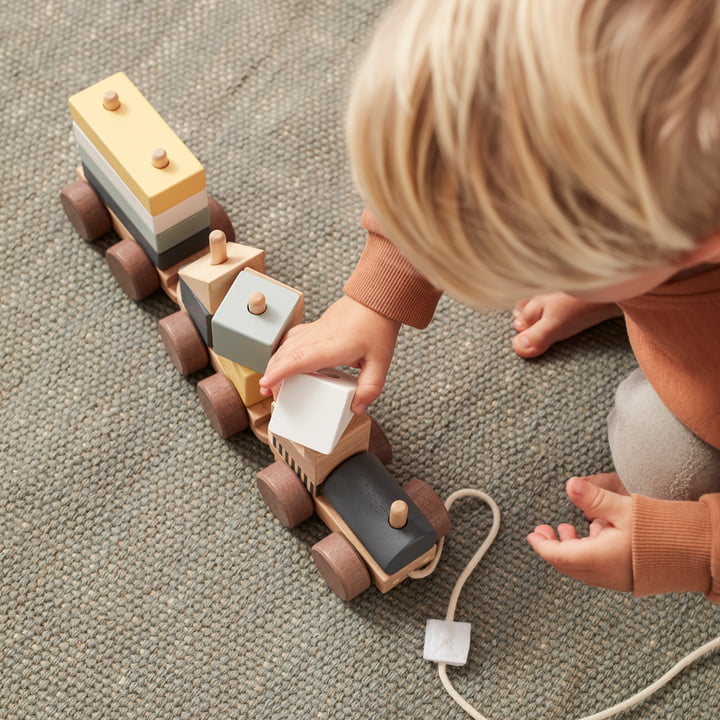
447, 642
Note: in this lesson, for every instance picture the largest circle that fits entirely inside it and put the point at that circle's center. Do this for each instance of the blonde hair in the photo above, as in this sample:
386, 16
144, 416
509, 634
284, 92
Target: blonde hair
513, 147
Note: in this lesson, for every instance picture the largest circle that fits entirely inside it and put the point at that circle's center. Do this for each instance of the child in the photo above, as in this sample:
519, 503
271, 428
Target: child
567, 151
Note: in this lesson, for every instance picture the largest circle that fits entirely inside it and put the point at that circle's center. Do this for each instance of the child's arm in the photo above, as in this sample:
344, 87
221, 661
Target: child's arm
637, 543
360, 330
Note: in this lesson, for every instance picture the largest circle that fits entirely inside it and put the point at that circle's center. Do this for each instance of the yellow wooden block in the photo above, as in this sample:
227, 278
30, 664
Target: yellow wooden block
210, 283
245, 380
128, 138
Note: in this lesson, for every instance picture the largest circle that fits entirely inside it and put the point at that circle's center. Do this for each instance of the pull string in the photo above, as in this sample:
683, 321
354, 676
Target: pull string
460, 583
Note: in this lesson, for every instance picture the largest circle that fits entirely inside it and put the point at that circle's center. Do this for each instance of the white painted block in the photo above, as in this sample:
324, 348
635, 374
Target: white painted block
313, 409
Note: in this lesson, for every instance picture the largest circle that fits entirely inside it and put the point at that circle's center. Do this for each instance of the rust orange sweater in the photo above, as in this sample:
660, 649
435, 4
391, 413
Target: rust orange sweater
675, 545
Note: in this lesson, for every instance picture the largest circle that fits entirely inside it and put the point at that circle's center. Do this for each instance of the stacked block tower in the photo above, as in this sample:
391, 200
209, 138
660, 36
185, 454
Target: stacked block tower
138, 178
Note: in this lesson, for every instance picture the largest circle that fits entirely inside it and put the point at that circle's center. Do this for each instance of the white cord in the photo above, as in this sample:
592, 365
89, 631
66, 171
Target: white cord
473, 563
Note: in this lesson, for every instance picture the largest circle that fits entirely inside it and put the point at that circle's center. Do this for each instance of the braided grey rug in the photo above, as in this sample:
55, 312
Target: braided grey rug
141, 574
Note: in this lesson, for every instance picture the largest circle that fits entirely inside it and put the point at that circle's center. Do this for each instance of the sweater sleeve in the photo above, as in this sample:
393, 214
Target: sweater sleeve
676, 546
385, 281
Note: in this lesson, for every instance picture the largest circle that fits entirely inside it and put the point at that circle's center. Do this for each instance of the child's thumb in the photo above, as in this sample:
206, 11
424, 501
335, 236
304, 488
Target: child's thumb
594, 501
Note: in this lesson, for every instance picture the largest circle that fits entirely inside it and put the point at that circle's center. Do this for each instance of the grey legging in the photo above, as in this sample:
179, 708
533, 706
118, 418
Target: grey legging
653, 452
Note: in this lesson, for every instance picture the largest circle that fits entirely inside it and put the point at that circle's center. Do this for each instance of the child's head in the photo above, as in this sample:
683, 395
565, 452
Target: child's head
512, 147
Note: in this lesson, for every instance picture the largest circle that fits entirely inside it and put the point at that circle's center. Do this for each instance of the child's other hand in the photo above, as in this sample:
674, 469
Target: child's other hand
604, 557
348, 333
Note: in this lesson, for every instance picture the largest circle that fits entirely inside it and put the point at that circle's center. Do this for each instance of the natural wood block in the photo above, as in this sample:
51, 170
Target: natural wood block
210, 283
259, 416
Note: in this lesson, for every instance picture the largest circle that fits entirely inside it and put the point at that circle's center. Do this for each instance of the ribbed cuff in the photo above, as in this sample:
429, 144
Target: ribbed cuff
671, 546
385, 281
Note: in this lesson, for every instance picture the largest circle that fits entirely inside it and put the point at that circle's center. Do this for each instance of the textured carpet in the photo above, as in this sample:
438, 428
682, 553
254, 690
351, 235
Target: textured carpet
141, 574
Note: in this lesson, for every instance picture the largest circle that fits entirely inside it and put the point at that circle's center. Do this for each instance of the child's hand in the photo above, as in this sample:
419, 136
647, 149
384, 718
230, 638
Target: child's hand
349, 334
604, 558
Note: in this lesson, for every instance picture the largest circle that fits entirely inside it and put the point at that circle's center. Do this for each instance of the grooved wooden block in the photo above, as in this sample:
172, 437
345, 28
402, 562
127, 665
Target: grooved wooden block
127, 137
313, 467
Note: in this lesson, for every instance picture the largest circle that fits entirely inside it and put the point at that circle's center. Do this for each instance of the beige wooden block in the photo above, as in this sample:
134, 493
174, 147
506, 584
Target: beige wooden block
380, 578
210, 283
313, 467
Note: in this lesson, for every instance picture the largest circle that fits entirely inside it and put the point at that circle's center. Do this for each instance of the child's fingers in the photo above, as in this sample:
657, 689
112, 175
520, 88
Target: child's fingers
567, 532
598, 503
370, 384
295, 357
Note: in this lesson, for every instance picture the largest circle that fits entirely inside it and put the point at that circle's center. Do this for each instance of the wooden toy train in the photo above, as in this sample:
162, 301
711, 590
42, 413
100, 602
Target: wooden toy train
138, 178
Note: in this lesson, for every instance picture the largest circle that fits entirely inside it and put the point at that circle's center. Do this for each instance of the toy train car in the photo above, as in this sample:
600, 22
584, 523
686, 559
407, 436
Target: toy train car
138, 178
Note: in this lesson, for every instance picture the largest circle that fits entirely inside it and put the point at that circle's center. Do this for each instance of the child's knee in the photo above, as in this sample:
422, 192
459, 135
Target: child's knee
653, 452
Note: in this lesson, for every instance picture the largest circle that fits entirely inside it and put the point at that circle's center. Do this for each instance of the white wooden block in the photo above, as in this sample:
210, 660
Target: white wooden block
313, 409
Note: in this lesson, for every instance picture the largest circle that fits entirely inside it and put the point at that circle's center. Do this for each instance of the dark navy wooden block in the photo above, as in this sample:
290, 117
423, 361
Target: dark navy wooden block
361, 490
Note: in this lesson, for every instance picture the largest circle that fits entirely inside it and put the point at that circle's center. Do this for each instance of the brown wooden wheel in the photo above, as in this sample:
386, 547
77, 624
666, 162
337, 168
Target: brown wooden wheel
183, 342
85, 210
429, 504
341, 566
219, 219
132, 269
379, 444
284, 494
222, 405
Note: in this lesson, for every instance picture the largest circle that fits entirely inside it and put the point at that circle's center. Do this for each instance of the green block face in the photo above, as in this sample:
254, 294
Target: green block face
249, 339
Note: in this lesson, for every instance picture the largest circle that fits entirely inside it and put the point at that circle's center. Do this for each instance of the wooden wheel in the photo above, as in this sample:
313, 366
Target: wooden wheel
341, 566
219, 219
379, 445
284, 494
85, 210
429, 504
183, 342
132, 269
222, 405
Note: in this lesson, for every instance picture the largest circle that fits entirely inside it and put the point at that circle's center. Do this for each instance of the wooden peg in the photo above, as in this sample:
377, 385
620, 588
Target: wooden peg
111, 100
256, 303
218, 247
160, 158
398, 514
